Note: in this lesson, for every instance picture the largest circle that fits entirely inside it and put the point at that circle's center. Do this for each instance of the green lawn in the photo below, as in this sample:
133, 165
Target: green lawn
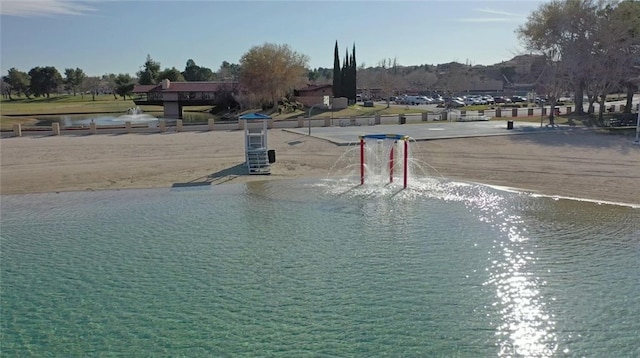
24, 111
64, 104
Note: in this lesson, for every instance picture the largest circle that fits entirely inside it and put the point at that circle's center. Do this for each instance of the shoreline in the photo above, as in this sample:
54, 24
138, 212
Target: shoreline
583, 165
536, 194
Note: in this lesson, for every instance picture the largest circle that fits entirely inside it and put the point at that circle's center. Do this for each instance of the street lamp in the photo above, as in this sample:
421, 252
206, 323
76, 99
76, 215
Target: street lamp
311, 109
535, 96
637, 141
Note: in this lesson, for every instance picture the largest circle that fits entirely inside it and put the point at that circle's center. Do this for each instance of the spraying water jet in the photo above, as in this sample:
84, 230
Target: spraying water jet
380, 154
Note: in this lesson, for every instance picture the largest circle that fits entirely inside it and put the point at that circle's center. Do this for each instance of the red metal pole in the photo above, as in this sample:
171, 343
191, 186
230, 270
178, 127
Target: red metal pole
361, 161
406, 162
391, 165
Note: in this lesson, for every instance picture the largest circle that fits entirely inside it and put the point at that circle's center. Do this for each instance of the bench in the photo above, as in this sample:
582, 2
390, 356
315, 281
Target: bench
623, 120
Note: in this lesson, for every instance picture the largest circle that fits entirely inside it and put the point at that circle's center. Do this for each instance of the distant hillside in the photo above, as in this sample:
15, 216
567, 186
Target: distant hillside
518, 73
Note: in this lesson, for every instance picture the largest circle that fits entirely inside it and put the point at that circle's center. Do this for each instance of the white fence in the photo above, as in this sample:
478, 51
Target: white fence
176, 126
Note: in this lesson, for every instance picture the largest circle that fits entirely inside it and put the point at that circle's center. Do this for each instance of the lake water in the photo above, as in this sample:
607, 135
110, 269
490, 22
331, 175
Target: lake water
318, 268
107, 119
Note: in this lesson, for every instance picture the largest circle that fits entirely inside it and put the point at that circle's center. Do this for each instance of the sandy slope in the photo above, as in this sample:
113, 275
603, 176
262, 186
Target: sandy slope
568, 163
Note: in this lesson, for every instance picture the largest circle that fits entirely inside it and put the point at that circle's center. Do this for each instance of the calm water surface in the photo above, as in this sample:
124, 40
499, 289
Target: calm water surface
108, 119
318, 268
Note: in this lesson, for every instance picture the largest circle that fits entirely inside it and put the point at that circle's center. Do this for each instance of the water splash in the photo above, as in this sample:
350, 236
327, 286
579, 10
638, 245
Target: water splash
134, 111
135, 115
378, 160
384, 170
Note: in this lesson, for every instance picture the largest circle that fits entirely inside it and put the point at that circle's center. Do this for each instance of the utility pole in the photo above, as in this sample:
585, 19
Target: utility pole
311, 109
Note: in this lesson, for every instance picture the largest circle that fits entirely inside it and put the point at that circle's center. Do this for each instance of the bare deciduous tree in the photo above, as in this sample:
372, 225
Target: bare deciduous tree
91, 84
109, 81
554, 80
385, 78
246, 100
455, 80
615, 50
422, 79
590, 44
561, 31
624, 20
271, 71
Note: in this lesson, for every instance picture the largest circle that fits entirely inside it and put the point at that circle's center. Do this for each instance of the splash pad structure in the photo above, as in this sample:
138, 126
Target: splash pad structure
381, 153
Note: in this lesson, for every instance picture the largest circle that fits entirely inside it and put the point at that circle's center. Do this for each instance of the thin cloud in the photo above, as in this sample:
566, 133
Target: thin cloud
496, 16
39, 8
485, 19
498, 12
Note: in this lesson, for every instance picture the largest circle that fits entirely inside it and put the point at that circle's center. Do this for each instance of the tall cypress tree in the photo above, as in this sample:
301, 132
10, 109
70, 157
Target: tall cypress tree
346, 81
352, 71
344, 78
337, 74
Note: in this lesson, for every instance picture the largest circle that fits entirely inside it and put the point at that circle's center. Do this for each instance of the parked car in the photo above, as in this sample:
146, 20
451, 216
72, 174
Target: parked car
489, 99
429, 99
469, 101
454, 103
518, 99
480, 100
473, 99
413, 100
501, 99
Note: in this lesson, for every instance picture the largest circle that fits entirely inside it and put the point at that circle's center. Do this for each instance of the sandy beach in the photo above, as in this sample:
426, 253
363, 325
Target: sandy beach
579, 163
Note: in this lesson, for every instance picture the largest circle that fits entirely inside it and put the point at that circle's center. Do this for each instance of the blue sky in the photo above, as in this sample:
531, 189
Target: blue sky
116, 36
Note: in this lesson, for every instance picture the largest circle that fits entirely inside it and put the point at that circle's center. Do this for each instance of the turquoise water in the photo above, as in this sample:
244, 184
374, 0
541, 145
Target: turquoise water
318, 268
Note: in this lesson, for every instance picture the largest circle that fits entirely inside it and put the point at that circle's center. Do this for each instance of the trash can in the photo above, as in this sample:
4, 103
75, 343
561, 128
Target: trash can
403, 119
509, 124
271, 154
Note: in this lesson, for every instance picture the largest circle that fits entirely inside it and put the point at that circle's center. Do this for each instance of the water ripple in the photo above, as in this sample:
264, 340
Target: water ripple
318, 268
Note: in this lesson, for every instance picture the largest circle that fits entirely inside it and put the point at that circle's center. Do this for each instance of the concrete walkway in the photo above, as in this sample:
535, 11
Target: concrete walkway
425, 131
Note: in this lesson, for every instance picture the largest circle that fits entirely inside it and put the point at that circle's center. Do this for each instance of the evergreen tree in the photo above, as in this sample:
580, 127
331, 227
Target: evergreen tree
124, 85
44, 80
337, 74
193, 72
16, 81
344, 77
354, 82
73, 79
149, 73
